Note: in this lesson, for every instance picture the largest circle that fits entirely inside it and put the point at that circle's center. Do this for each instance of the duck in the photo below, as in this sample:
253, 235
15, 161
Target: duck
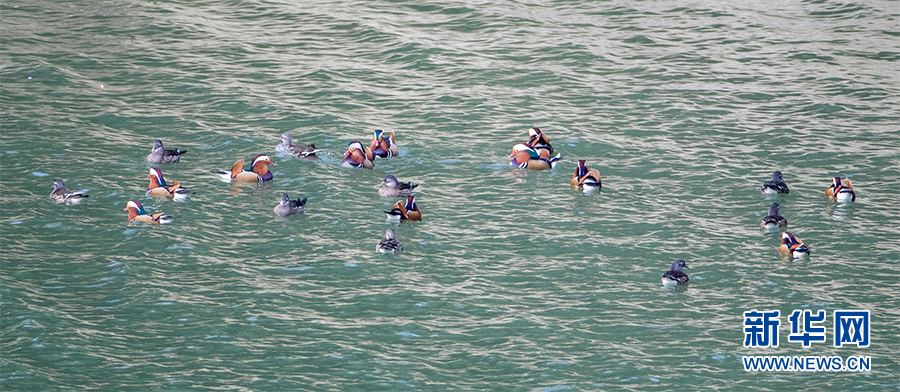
289, 207
383, 147
357, 157
775, 186
159, 188
407, 211
526, 157
792, 246
389, 243
675, 276
160, 155
60, 194
308, 151
136, 213
539, 141
841, 190
587, 179
773, 221
259, 173
391, 187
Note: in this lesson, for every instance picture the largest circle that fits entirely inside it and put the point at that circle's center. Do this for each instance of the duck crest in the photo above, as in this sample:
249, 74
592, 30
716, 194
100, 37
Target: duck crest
157, 177
134, 209
261, 166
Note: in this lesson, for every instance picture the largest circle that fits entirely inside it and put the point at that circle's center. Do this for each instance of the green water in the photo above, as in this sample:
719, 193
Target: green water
513, 280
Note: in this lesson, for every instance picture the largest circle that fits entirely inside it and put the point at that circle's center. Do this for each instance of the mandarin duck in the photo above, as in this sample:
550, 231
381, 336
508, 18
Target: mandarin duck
389, 243
159, 188
526, 157
539, 141
160, 155
792, 246
407, 211
675, 276
587, 179
289, 207
391, 187
61, 194
307, 151
842, 191
259, 171
136, 213
358, 157
381, 146
773, 221
775, 186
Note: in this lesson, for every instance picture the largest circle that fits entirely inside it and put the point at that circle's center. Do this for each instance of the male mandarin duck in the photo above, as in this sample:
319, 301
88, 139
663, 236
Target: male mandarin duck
408, 211
259, 173
383, 147
358, 157
61, 194
526, 157
773, 221
136, 213
792, 246
842, 191
160, 155
159, 188
391, 187
389, 243
675, 276
307, 151
289, 207
775, 186
539, 141
587, 179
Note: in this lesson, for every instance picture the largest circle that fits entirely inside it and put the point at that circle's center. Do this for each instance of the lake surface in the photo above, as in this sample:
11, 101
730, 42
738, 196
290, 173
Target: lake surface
513, 280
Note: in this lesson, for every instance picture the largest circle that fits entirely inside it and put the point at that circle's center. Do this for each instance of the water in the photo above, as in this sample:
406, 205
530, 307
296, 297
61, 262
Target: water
513, 280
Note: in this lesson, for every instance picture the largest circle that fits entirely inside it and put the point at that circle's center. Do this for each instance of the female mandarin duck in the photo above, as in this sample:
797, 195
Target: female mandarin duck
792, 246
675, 276
842, 191
587, 179
307, 151
539, 141
259, 173
289, 207
389, 243
159, 188
358, 157
61, 194
526, 157
160, 155
382, 147
773, 221
391, 187
408, 211
775, 186
136, 213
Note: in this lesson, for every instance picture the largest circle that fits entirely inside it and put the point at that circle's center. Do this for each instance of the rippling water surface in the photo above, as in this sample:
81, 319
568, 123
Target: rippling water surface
513, 280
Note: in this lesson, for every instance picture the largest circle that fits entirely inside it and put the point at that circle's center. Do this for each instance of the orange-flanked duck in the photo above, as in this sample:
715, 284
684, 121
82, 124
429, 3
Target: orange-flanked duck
60, 194
841, 190
773, 221
259, 171
160, 155
391, 187
792, 246
586, 179
382, 146
405, 211
775, 185
526, 157
159, 188
675, 276
303, 151
540, 142
358, 157
136, 213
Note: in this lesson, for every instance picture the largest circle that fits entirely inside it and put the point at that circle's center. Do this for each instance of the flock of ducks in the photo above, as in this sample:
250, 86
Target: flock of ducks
533, 154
